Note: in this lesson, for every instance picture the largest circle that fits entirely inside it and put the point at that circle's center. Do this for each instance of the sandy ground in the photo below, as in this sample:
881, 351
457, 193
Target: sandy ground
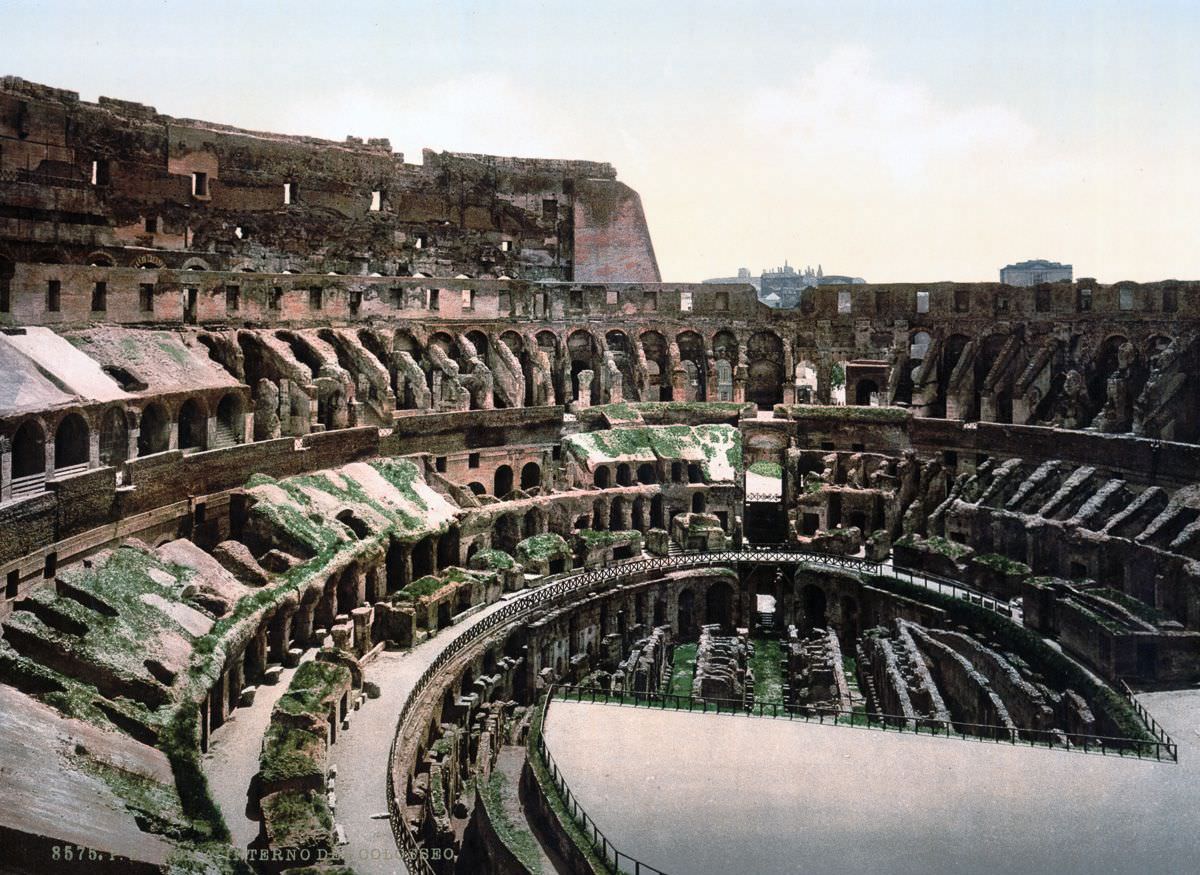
703, 793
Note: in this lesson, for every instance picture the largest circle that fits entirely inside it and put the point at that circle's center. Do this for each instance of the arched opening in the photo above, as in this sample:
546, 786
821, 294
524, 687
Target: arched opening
534, 523
685, 615
695, 362
952, 351
657, 520
764, 351
347, 591
448, 548
502, 483
154, 431
813, 598
28, 450
616, 515
71, 443
193, 426
581, 349
658, 367
506, 533
646, 473
599, 514
548, 344
477, 488
230, 421
624, 474
354, 523
114, 437
600, 477
718, 606
863, 392
531, 476
618, 344
422, 558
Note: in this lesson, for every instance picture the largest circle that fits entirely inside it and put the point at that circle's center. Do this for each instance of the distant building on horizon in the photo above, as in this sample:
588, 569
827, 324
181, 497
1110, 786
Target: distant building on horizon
1035, 272
782, 286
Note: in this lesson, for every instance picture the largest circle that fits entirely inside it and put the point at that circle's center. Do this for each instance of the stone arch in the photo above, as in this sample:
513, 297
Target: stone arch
99, 258
422, 558
231, 420
600, 477
154, 431
534, 522
618, 344
1105, 364
195, 263
531, 476
764, 352
449, 547
646, 474
193, 425
863, 390
114, 437
814, 605
506, 533
658, 366
616, 515
624, 474
502, 482
477, 488
695, 362
516, 345
581, 347
71, 442
148, 262
29, 449
718, 605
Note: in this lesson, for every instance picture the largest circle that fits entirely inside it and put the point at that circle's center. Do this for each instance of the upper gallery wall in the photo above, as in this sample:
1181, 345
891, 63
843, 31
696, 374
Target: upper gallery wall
110, 182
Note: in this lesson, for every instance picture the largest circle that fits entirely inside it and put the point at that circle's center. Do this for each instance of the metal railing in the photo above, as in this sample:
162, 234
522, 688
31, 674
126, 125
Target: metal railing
617, 860
1162, 748
562, 585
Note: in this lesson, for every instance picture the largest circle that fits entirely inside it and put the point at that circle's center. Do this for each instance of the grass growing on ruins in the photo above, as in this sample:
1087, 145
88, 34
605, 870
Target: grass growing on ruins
289, 754
767, 469
516, 836
683, 669
844, 412
768, 674
312, 685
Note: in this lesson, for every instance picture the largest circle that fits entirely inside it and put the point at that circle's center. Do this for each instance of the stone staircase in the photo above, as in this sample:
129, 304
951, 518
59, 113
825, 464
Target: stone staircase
223, 437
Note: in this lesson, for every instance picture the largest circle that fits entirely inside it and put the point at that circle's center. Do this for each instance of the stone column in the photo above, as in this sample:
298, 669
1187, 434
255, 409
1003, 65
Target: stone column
361, 618
585, 388
302, 623
94, 448
281, 632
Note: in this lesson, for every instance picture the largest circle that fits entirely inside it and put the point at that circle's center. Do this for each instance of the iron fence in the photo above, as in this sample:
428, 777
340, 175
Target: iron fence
1161, 748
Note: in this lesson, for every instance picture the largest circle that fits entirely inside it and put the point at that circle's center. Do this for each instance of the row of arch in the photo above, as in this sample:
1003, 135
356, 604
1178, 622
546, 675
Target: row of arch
38, 447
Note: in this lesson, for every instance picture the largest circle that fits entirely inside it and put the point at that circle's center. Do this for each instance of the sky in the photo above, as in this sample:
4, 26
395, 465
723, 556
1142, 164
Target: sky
897, 141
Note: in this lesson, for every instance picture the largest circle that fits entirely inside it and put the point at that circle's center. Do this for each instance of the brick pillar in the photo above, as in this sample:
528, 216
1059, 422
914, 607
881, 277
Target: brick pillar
362, 629
5, 469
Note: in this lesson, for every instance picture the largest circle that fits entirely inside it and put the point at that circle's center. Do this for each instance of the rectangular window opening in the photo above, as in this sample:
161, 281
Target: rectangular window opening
685, 301
199, 184
151, 224
650, 301
550, 210
434, 302
289, 192
276, 301
315, 298
54, 296
612, 296
473, 460
13, 585
99, 297
922, 302
468, 299
844, 303
722, 300
1083, 302
1041, 300
146, 297
233, 299
376, 201
355, 302
1126, 299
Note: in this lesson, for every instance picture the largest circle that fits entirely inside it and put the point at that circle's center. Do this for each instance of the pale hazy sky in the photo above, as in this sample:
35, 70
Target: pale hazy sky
898, 141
